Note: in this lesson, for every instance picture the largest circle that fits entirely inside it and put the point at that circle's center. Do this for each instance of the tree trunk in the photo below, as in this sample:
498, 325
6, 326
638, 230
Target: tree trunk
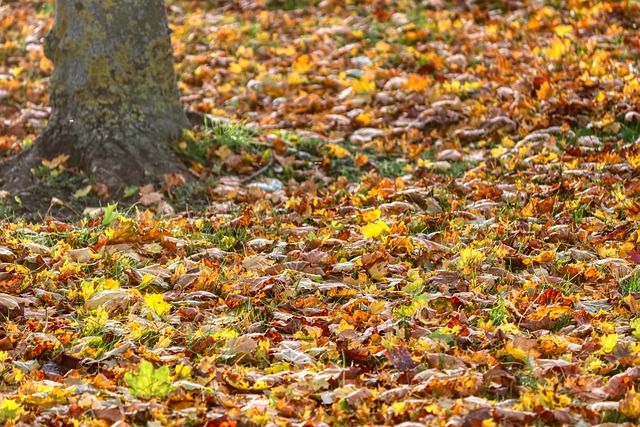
114, 99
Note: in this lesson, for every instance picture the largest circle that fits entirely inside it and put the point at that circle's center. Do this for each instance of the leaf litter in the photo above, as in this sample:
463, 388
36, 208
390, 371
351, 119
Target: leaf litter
412, 213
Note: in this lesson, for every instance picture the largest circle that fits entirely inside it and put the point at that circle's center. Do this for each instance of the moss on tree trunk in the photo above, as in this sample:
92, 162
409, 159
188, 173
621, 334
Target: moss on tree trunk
115, 103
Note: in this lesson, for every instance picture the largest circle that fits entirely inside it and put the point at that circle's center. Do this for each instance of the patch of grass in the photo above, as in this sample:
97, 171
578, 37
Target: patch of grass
630, 133
563, 322
288, 4
614, 417
391, 168
190, 196
498, 313
579, 213
235, 136
228, 238
630, 284
46, 10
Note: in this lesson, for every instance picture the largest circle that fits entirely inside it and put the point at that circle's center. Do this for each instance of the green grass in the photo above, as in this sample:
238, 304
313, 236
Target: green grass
498, 313
288, 4
630, 284
235, 136
579, 213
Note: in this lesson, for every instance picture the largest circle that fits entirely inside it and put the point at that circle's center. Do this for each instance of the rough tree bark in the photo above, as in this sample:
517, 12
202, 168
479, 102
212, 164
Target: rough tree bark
114, 100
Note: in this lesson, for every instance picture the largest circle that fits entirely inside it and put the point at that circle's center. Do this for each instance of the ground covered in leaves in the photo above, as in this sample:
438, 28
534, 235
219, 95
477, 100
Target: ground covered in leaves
407, 212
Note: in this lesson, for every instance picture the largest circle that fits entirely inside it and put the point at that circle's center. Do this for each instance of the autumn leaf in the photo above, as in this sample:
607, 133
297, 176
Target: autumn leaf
608, 342
149, 382
371, 215
384, 211
545, 91
374, 229
337, 151
10, 410
157, 304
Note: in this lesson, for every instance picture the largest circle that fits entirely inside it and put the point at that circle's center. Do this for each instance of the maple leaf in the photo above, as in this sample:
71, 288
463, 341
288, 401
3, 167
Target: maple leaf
448, 195
157, 304
374, 229
149, 382
9, 410
545, 91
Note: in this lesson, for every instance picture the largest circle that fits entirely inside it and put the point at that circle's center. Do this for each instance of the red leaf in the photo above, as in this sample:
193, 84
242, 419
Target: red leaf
401, 359
635, 257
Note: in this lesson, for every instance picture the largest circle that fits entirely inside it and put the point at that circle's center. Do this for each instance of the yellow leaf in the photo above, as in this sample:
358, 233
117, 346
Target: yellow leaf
111, 284
630, 404
416, 83
371, 215
303, 64
608, 342
489, 422
471, 257
82, 192
376, 307
551, 344
58, 161
383, 47
507, 142
45, 65
545, 256
399, 407
183, 371
545, 91
245, 52
374, 229
363, 86
157, 303
343, 326
363, 119
491, 30
162, 343
563, 30
337, 151
295, 79
557, 49
147, 279
444, 25
592, 364
277, 367
510, 350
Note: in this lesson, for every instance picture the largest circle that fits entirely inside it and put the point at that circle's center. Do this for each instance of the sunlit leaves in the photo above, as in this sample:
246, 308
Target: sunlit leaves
95, 321
543, 397
337, 151
110, 213
630, 405
149, 382
374, 229
9, 410
608, 342
545, 91
157, 304
470, 258
44, 393
363, 86
443, 225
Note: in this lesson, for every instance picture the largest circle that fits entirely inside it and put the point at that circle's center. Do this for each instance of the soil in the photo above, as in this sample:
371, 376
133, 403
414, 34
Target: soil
52, 197
34, 192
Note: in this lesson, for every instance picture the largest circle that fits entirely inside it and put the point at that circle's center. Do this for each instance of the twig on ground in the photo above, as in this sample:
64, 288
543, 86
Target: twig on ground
260, 171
